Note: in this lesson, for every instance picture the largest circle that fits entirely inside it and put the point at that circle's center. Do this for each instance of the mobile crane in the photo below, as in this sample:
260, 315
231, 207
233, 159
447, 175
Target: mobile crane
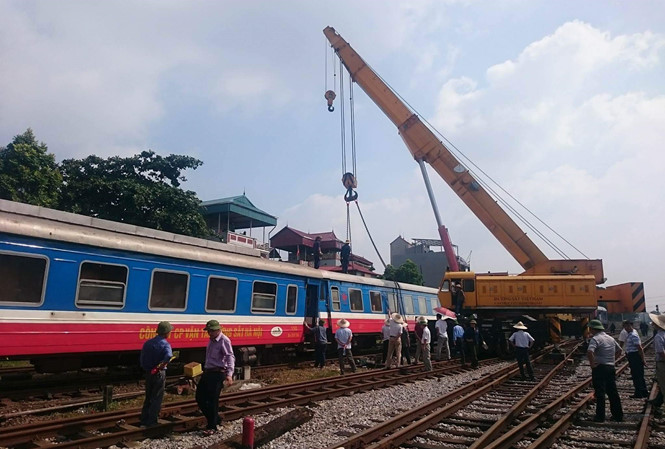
546, 286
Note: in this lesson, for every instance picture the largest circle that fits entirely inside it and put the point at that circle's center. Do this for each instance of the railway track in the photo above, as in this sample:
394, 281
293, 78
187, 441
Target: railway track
573, 427
74, 395
109, 428
510, 413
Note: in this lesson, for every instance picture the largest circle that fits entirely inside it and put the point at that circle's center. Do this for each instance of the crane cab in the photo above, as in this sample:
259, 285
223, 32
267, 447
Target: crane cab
502, 292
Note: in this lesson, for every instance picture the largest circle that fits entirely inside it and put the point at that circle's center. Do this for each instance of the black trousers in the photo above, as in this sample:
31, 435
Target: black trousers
459, 347
472, 350
320, 355
522, 356
637, 373
207, 396
603, 378
154, 393
385, 350
345, 354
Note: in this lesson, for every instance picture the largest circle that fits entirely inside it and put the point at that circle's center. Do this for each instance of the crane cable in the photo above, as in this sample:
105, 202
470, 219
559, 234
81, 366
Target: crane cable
349, 178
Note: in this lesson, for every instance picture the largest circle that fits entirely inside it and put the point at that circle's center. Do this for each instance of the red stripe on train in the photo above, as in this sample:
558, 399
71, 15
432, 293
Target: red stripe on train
21, 339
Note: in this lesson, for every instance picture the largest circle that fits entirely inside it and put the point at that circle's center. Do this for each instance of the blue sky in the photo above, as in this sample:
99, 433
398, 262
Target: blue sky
562, 103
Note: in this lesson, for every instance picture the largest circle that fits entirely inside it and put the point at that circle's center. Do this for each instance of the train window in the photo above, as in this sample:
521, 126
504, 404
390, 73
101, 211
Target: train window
392, 302
434, 302
334, 294
221, 294
101, 284
168, 290
422, 305
408, 305
264, 296
291, 299
375, 302
468, 285
356, 300
23, 278
445, 287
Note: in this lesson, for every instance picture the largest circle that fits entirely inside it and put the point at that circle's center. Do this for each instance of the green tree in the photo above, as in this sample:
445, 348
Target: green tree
390, 273
407, 272
143, 190
28, 174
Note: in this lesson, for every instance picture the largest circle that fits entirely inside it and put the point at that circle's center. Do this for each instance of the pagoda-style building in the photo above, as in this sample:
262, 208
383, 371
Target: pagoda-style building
228, 217
299, 244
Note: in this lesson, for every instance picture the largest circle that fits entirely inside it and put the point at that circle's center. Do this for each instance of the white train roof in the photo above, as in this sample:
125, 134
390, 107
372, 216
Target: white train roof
40, 222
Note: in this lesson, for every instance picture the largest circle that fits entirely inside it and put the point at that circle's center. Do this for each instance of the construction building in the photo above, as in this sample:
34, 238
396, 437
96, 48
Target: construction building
427, 254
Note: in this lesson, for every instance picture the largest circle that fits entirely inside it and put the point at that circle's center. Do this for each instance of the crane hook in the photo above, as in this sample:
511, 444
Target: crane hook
330, 96
350, 182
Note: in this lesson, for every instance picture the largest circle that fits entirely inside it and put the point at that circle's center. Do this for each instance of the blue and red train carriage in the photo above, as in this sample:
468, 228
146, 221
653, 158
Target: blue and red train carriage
77, 291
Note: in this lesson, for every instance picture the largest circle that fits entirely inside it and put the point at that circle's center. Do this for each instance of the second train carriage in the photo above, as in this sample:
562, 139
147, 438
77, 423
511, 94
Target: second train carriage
78, 291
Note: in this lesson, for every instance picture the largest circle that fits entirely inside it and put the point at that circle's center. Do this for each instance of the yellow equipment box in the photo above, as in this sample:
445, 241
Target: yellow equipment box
193, 369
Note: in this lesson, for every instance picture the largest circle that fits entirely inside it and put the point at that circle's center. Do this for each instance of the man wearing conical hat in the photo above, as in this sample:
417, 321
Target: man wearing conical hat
343, 336
424, 342
394, 341
659, 348
522, 342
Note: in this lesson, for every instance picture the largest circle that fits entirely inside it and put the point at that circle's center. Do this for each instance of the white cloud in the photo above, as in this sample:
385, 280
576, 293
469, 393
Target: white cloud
575, 140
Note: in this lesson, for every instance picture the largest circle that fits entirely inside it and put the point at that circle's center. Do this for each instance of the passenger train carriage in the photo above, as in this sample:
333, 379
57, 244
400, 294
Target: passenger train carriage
78, 292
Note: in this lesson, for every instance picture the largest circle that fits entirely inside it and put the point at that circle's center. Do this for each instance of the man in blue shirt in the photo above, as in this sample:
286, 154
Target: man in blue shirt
155, 355
635, 355
458, 338
320, 342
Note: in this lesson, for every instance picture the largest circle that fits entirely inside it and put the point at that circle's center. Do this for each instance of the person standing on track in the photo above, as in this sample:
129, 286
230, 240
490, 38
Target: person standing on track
425, 340
219, 367
441, 327
659, 349
395, 342
155, 355
522, 342
406, 343
601, 353
385, 334
343, 336
320, 342
418, 332
473, 340
635, 355
458, 337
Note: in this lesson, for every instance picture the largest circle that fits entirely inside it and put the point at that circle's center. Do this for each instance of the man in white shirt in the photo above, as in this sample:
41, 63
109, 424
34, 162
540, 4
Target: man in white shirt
441, 327
522, 342
395, 341
425, 342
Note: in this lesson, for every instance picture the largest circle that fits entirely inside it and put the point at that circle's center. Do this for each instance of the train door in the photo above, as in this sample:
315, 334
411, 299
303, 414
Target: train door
312, 302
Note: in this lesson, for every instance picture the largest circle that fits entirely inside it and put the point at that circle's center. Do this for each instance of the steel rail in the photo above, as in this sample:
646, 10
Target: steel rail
123, 425
413, 422
498, 427
556, 429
